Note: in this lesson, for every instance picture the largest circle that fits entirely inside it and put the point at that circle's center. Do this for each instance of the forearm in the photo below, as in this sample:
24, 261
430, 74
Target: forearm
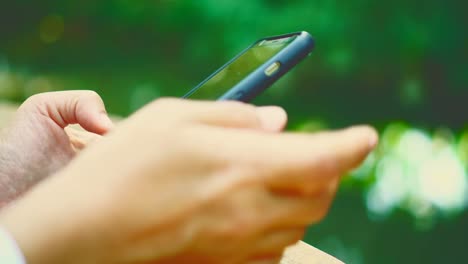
21, 164
13, 173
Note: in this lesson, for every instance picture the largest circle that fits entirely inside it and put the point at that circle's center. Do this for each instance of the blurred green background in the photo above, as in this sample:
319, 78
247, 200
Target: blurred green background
398, 65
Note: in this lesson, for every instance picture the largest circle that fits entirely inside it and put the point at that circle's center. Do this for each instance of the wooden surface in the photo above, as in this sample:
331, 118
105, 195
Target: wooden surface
301, 253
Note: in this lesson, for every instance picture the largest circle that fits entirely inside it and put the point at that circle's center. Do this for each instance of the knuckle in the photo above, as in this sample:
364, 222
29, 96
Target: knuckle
86, 96
35, 100
91, 94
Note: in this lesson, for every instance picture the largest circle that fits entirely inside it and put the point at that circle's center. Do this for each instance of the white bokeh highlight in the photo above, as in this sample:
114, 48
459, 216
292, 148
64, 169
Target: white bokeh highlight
418, 173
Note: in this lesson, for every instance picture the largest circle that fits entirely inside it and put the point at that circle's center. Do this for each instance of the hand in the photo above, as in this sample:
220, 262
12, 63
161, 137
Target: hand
38, 142
187, 182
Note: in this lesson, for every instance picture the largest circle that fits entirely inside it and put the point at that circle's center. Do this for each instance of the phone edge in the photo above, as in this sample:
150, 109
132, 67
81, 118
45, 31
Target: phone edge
254, 88
257, 82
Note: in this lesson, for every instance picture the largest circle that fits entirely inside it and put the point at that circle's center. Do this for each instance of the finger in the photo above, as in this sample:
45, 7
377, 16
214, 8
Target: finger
291, 159
310, 189
77, 107
294, 212
79, 139
270, 248
272, 211
274, 243
224, 114
272, 118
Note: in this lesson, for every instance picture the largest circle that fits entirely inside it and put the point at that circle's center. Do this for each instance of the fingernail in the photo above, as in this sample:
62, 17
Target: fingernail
272, 118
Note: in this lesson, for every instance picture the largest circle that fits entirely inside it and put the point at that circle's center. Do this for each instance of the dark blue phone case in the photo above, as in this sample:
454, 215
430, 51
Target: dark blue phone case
257, 81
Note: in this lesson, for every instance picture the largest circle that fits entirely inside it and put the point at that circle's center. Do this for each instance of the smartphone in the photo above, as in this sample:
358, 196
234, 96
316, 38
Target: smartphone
255, 69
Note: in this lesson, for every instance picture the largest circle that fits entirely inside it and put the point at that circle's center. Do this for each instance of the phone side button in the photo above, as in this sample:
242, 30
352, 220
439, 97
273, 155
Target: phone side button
272, 69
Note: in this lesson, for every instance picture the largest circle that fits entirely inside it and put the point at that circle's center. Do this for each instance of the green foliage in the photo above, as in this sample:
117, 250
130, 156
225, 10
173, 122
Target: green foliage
375, 62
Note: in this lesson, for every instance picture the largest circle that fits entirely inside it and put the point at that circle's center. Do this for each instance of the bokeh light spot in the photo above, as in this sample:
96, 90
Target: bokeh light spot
414, 146
421, 174
442, 181
391, 186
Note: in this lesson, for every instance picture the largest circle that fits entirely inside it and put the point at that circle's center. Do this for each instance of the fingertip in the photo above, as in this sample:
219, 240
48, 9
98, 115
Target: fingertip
272, 118
355, 145
91, 113
369, 132
105, 123
373, 139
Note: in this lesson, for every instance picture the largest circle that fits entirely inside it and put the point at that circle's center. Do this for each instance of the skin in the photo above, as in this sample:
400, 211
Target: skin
187, 182
38, 142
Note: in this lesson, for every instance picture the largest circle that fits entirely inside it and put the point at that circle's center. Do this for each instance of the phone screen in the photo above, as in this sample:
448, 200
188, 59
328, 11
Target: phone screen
240, 68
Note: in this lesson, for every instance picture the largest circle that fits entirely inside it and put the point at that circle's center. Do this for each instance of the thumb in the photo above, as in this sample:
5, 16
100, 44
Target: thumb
85, 108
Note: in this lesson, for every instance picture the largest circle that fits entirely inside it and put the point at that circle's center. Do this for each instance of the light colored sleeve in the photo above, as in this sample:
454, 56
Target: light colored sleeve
10, 253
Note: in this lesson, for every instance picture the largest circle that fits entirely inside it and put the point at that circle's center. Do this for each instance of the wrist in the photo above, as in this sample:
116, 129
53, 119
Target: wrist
51, 226
25, 159
38, 230
13, 174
